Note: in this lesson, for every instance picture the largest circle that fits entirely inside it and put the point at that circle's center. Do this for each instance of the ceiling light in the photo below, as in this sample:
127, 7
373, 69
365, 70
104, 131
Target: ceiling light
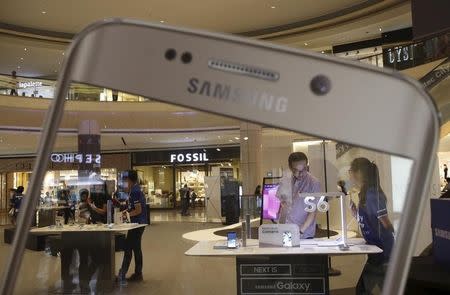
25, 49
230, 140
229, 164
246, 138
218, 136
379, 29
21, 58
237, 138
323, 51
44, 12
63, 53
273, 7
306, 44
221, 164
18, 67
217, 149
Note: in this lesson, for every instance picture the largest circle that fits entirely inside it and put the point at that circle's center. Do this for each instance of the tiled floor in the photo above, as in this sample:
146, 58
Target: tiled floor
173, 215
166, 269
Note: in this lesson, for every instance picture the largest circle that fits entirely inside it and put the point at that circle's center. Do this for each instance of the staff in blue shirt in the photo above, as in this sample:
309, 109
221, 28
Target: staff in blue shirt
374, 223
138, 212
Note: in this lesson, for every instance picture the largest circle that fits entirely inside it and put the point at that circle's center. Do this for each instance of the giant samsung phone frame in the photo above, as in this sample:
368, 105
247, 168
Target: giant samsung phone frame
260, 83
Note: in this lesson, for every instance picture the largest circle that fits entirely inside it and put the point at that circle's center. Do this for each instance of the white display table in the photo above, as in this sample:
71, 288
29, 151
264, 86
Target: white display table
307, 247
95, 243
283, 270
87, 228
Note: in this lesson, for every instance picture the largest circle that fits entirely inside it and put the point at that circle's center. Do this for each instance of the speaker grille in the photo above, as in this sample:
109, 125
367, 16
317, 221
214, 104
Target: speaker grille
243, 70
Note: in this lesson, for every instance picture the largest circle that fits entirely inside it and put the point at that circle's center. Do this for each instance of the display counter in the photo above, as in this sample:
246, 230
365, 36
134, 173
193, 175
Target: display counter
94, 241
283, 270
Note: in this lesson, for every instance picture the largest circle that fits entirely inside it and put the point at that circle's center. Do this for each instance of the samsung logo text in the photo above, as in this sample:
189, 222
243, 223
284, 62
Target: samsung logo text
260, 99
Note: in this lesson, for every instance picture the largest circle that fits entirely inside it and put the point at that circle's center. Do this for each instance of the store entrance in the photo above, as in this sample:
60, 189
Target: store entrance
194, 177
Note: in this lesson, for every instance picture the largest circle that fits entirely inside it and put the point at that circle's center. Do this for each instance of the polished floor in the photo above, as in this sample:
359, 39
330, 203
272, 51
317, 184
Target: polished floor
166, 269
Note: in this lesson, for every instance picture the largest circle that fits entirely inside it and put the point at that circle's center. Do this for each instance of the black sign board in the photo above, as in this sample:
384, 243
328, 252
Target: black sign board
282, 274
186, 156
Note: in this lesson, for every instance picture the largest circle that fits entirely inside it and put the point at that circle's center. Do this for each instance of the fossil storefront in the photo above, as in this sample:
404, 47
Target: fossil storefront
162, 173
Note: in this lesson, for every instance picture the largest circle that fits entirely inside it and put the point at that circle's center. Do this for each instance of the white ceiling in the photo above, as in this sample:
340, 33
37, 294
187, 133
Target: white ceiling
319, 30
230, 16
20, 143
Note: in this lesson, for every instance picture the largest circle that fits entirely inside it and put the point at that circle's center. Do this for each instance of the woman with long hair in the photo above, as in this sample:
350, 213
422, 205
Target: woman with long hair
376, 228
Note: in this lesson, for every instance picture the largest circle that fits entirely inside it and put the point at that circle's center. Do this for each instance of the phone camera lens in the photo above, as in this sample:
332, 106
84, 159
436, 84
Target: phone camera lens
320, 85
186, 57
170, 54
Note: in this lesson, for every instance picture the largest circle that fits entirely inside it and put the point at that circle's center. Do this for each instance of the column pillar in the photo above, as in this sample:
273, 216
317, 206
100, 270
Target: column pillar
89, 147
251, 156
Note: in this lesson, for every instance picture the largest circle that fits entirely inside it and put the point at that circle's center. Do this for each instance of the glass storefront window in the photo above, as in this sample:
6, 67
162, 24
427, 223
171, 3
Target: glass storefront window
157, 185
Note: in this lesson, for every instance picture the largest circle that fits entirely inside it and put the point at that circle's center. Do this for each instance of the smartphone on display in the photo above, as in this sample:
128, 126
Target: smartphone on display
269, 86
287, 239
232, 240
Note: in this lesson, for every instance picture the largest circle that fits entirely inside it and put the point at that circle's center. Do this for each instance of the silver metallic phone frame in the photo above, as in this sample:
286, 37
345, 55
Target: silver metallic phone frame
395, 116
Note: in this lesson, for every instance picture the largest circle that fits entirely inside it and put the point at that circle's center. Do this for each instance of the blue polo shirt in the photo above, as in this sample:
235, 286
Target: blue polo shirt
372, 229
137, 197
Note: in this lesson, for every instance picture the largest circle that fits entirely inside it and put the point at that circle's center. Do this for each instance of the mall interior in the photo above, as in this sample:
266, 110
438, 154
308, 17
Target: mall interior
207, 179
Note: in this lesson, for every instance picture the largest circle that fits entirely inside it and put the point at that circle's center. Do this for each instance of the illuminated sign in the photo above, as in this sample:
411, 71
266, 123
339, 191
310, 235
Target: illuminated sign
321, 206
188, 157
29, 84
76, 158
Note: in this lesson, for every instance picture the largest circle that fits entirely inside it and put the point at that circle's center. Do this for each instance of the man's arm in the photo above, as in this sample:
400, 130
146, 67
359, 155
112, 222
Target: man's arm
101, 211
136, 211
309, 220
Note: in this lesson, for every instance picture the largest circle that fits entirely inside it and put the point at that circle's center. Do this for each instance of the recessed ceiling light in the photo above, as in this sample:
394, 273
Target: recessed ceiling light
63, 53
44, 12
25, 49
323, 51
230, 140
18, 67
379, 29
273, 7
217, 149
306, 44
246, 138
161, 21
21, 58
237, 138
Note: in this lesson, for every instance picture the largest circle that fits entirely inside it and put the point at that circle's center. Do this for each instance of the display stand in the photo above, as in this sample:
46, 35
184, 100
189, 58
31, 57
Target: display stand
282, 270
288, 274
93, 242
